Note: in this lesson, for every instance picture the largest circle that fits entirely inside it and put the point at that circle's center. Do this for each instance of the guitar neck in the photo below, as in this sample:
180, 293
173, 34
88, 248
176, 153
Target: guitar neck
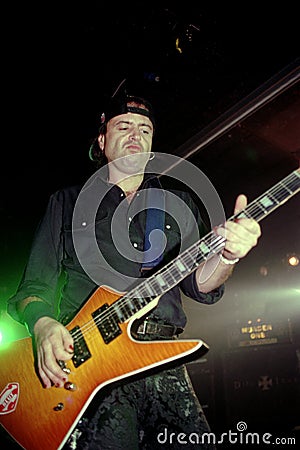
211, 244
272, 199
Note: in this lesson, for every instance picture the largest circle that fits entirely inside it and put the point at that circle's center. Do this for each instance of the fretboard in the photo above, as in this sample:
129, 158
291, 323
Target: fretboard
211, 244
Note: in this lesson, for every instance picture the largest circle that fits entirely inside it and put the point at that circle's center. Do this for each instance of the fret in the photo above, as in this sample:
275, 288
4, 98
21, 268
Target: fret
284, 185
293, 184
281, 196
119, 312
204, 249
161, 281
271, 194
130, 303
260, 208
185, 258
123, 306
217, 244
176, 272
266, 202
144, 300
134, 305
243, 215
186, 266
156, 287
193, 255
189, 259
170, 277
180, 266
144, 290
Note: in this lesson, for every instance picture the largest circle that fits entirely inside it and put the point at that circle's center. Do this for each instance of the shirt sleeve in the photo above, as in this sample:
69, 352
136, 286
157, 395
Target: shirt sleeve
41, 274
189, 284
190, 289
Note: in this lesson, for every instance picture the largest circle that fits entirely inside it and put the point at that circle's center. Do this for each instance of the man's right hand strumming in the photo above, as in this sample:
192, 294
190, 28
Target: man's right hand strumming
53, 343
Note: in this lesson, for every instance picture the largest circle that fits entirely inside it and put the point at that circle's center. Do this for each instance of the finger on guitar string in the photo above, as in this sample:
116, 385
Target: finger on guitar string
54, 343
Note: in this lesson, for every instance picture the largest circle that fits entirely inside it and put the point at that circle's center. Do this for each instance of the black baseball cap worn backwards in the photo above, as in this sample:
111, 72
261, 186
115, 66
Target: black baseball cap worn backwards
122, 103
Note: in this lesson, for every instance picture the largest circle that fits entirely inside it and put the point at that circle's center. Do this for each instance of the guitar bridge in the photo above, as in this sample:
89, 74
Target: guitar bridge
108, 324
81, 351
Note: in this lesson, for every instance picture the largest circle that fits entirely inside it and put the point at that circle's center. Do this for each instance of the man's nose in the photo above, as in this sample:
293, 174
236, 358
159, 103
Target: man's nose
135, 134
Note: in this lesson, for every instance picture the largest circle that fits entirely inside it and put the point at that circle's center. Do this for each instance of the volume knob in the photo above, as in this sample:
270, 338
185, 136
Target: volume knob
70, 386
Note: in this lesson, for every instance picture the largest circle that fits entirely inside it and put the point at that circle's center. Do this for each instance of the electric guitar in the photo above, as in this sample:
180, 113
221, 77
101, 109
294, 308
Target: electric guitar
105, 351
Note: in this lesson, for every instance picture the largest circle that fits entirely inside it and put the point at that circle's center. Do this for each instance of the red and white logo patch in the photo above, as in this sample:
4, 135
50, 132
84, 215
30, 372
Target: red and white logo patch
9, 398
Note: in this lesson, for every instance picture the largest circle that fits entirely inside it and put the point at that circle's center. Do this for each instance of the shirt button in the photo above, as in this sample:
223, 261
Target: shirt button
168, 226
135, 244
83, 224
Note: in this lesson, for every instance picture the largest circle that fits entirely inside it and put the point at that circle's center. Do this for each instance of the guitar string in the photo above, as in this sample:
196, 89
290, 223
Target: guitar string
256, 210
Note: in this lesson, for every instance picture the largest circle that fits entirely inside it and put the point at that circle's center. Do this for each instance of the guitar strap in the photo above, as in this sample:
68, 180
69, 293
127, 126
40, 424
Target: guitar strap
155, 220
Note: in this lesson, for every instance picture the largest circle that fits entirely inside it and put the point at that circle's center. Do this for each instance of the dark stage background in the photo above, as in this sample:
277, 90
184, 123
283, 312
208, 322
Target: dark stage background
201, 66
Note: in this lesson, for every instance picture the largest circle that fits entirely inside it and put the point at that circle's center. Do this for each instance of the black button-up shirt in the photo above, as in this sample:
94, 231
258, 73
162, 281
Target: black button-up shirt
82, 243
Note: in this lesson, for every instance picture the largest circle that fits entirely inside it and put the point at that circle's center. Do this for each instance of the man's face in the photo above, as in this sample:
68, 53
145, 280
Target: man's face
128, 135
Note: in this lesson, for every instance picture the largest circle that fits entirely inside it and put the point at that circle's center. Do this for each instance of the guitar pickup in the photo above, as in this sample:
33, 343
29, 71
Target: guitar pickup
81, 351
107, 324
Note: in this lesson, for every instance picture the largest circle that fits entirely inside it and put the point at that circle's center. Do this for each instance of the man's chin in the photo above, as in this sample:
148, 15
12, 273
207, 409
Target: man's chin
136, 161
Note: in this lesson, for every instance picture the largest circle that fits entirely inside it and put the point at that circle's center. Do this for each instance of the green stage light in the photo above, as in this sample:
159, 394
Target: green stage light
10, 330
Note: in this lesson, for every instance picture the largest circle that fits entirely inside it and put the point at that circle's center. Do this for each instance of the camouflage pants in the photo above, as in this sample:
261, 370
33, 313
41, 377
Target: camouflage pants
158, 412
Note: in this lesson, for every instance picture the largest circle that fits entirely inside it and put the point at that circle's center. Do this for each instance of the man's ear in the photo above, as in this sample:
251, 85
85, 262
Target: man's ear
101, 141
